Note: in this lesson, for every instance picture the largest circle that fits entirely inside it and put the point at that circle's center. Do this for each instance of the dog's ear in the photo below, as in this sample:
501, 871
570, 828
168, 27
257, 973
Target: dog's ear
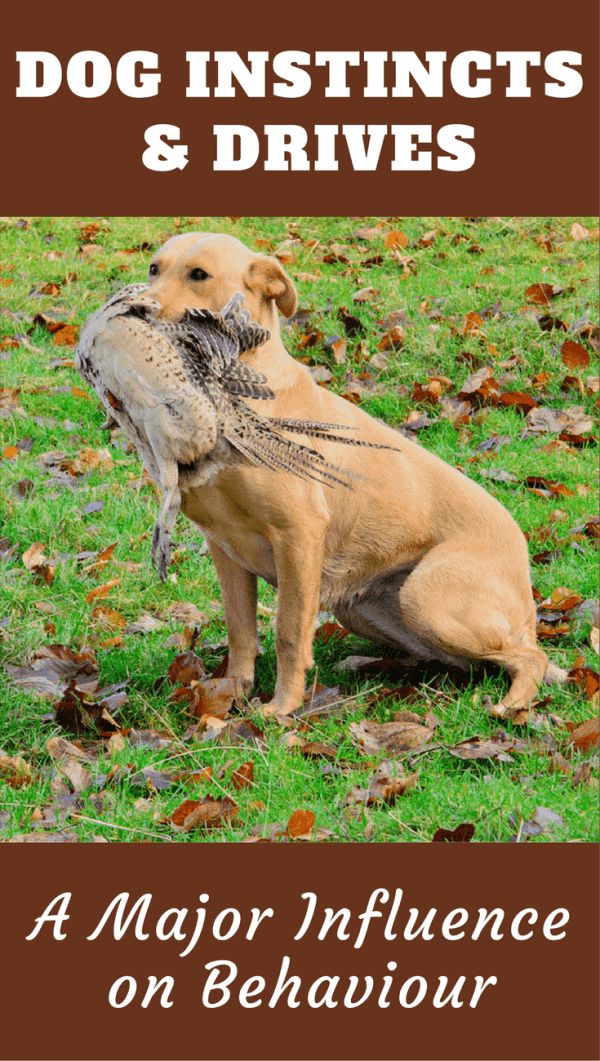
267, 275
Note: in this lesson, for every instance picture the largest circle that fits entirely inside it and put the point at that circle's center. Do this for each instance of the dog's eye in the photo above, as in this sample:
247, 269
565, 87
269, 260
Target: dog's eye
153, 270
199, 274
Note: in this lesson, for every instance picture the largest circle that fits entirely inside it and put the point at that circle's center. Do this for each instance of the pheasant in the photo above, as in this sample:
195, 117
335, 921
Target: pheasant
177, 390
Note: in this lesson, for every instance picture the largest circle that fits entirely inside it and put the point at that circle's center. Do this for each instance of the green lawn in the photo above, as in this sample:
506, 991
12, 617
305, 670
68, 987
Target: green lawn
437, 271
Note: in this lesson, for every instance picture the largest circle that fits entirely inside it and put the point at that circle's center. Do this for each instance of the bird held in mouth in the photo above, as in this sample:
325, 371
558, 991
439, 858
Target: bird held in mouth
177, 390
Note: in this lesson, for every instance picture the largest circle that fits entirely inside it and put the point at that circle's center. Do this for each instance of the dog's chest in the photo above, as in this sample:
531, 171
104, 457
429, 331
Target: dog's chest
237, 532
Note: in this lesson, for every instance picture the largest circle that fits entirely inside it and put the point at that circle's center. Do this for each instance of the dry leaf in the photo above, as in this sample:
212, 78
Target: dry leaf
102, 591
301, 821
462, 834
243, 775
15, 772
394, 738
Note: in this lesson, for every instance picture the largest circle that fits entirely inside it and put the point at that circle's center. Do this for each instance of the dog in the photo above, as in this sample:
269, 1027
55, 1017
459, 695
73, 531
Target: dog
415, 556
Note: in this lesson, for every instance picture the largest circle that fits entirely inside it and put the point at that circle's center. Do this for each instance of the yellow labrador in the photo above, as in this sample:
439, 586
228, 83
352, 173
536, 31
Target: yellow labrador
415, 556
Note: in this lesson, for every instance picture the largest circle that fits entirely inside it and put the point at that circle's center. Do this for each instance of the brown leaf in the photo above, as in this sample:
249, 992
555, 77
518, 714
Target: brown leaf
15, 772
522, 401
34, 556
535, 482
366, 294
497, 747
52, 669
89, 459
574, 355
389, 781
214, 696
542, 293
67, 335
301, 821
186, 612
207, 813
330, 632
574, 419
78, 716
473, 323
579, 232
384, 789
68, 761
462, 834
146, 624
562, 600
395, 239
585, 736
102, 558
102, 591
480, 387
185, 668
315, 749
62, 837
582, 776
107, 617
243, 775
394, 738
243, 732
543, 820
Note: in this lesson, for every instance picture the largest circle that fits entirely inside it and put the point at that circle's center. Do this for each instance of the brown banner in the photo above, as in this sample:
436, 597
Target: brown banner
543, 1004
534, 155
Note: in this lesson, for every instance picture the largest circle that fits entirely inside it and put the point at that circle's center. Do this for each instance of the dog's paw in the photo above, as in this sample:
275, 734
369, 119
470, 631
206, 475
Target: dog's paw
280, 712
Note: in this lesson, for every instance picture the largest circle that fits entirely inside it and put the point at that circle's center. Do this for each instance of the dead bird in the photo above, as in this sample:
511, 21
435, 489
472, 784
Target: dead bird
177, 390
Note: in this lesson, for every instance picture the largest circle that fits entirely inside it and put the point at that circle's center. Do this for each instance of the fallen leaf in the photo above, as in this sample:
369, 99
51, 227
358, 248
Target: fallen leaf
542, 293
206, 813
574, 355
146, 624
394, 738
52, 669
107, 617
497, 747
330, 632
68, 761
521, 401
158, 780
585, 736
396, 239
15, 772
301, 821
74, 713
462, 834
185, 668
213, 696
579, 232
62, 837
102, 591
543, 820
243, 775
102, 558
186, 612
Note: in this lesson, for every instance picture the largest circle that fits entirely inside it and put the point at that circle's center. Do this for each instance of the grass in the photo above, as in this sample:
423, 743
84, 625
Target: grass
55, 416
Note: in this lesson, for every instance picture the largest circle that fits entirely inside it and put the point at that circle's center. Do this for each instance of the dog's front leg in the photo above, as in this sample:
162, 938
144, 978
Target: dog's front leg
298, 554
239, 592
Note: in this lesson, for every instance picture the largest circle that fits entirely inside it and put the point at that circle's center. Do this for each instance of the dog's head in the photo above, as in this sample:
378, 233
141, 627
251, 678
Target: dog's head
202, 270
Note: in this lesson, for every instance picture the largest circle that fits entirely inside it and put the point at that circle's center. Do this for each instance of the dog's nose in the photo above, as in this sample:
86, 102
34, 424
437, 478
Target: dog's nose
168, 311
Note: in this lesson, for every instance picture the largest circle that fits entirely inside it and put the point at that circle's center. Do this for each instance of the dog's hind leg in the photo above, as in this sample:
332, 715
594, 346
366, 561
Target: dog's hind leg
462, 602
